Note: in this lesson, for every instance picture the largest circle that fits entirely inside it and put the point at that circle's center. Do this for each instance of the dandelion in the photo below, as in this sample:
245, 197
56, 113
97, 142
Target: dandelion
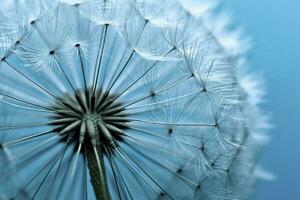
123, 99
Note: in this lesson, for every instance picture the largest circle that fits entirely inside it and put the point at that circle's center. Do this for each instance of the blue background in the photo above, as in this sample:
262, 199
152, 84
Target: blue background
274, 26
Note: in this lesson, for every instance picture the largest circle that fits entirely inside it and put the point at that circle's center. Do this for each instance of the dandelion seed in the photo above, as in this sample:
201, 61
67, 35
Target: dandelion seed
122, 99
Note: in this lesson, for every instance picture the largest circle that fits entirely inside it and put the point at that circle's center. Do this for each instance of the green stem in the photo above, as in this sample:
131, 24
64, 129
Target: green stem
98, 177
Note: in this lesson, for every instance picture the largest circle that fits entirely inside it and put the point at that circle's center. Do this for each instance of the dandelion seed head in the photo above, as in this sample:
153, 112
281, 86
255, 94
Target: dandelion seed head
124, 99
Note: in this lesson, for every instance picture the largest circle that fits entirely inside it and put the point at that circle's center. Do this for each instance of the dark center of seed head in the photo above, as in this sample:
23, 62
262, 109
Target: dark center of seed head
83, 119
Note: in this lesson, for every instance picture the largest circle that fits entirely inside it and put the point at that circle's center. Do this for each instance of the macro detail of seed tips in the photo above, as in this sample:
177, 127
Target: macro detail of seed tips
124, 99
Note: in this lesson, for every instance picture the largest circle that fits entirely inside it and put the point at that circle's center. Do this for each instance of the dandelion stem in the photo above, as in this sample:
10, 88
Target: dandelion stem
85, 177
97, 172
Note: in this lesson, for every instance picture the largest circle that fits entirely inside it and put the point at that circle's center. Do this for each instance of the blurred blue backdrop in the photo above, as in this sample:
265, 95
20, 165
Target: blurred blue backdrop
275, 30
